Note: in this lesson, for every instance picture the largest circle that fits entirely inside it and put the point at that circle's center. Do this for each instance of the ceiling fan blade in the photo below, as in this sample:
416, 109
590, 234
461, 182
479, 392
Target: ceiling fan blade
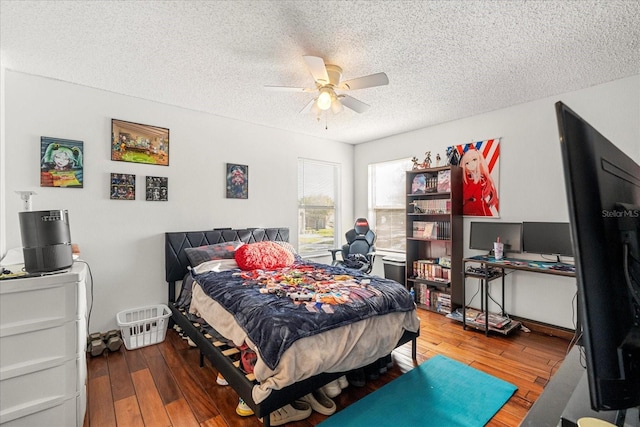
289, 89
353, 104
372, 80
308, 106
317, 69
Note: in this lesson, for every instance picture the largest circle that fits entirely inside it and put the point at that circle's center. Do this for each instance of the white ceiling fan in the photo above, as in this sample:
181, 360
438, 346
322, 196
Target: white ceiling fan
328, 86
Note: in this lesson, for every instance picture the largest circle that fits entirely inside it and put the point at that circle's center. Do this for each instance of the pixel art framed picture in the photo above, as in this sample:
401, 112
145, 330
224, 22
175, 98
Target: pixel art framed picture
237, 181
123, 186
138, 143
157, 188
61, 163
480, 163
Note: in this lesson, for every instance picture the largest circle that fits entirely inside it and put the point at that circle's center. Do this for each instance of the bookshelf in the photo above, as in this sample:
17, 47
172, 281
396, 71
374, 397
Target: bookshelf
434, 237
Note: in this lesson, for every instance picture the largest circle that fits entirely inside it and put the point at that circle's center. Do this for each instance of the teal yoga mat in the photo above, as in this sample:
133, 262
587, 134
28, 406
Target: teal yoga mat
439, 392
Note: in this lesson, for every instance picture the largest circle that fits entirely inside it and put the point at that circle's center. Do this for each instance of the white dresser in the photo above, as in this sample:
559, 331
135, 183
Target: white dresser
43, 370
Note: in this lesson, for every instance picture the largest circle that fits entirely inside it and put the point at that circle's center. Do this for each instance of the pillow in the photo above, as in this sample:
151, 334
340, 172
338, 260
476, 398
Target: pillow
216, 265
263, 255
202, 254
288, 246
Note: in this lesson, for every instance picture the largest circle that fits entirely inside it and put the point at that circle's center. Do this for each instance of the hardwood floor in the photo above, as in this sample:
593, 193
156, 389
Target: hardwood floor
162, 385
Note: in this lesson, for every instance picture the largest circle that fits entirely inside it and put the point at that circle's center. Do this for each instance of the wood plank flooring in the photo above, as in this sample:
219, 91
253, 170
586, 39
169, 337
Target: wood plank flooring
162, 384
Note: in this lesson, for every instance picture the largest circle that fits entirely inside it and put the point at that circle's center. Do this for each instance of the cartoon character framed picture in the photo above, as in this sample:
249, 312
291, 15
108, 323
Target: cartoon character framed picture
480, 163
61, 162
237, 181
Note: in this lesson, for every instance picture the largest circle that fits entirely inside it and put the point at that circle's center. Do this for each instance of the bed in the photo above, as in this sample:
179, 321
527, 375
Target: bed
208, 316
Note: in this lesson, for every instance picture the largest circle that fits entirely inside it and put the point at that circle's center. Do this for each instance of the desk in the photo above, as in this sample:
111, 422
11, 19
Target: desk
492, 269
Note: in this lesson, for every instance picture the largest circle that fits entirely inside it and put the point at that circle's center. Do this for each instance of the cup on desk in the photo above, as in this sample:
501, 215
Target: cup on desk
498, 250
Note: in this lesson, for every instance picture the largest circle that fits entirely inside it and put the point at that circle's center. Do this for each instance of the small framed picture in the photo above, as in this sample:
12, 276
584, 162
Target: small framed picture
61, 163
138, 143
157, 188
123, 186
237, 181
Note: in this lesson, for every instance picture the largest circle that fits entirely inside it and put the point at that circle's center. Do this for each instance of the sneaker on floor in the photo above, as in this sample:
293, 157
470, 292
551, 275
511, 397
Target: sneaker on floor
343, 382
357, 378
243, 409
389, 361
371, 371
296, 411
382, 366
220, 380
332, 389
320, 402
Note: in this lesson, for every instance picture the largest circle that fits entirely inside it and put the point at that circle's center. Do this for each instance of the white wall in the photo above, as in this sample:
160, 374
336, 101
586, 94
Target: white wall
531, 177
123, 241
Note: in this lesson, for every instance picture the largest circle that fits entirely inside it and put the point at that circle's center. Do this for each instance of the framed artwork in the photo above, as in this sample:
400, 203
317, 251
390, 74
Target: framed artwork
61, 162
123, 186
137, 143
237, 181
480, 163
157, 188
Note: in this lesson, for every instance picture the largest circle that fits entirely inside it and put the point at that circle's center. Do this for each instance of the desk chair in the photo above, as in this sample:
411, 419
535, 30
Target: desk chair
359, 251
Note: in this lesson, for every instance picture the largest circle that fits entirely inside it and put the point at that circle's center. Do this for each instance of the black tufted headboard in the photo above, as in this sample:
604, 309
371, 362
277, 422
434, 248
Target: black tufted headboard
175, 258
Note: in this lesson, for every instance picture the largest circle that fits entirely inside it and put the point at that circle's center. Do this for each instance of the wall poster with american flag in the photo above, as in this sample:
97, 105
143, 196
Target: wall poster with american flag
480, 163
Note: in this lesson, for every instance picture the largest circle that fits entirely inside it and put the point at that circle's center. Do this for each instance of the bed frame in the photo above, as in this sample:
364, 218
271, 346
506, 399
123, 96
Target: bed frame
222, 357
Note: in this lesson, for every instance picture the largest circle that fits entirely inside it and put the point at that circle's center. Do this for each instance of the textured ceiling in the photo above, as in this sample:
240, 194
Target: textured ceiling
445, 59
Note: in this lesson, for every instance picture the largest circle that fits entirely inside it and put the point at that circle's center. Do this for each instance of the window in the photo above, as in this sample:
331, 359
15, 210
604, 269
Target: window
387, 203
317, 212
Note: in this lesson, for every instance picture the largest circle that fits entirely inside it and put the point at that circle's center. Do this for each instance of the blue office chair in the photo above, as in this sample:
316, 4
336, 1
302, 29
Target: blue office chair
359, 252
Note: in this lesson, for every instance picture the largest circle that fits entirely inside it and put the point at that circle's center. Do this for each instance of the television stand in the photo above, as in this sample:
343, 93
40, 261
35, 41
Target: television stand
566, 399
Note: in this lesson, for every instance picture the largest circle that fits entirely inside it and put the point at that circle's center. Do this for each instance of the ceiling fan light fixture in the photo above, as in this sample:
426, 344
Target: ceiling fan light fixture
336, 106
324, 99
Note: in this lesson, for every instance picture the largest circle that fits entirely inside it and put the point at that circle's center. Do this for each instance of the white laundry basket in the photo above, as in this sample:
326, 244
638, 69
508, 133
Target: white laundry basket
143, 326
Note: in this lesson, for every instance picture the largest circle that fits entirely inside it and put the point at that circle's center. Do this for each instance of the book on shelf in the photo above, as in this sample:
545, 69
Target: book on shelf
495, 320
423, 184
432, 206
431, 269
476, 318
441, 301
432, 230
444, 181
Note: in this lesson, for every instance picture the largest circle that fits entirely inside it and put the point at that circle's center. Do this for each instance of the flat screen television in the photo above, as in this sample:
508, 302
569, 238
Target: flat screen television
483, 234
603, 192
547, 238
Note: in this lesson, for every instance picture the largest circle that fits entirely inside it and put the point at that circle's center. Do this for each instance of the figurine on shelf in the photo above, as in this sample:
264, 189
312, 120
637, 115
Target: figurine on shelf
416, 165
438, 158
427, 160
416, 207
453, 158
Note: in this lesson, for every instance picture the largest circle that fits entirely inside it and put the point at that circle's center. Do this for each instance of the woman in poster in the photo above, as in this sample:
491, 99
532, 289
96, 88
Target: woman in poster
479, 194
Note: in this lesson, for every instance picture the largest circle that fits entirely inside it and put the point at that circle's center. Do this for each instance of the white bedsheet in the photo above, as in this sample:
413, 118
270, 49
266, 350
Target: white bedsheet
336, 350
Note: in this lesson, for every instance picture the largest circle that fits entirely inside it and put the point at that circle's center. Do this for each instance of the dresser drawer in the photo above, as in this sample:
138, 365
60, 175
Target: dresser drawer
30, 351
63, 414
32, 307
38, 390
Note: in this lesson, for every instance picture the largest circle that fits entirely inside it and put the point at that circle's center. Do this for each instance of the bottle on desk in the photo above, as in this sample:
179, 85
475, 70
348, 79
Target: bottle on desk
498, 249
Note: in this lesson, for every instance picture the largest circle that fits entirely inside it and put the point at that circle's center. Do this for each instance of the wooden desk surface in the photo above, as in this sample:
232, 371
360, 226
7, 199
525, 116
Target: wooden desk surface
524, 265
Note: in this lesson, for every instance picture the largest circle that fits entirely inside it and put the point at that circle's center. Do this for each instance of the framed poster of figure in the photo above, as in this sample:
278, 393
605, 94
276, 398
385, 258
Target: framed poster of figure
123, 186
480, 163
157, 188
61, 163
237, 181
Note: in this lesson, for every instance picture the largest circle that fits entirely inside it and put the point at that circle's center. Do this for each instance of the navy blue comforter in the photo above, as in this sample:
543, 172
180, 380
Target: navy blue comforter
273, 321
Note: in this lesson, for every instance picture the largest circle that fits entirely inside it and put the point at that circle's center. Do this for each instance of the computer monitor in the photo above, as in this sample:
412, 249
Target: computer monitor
603, 192
483, 234
547, 238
